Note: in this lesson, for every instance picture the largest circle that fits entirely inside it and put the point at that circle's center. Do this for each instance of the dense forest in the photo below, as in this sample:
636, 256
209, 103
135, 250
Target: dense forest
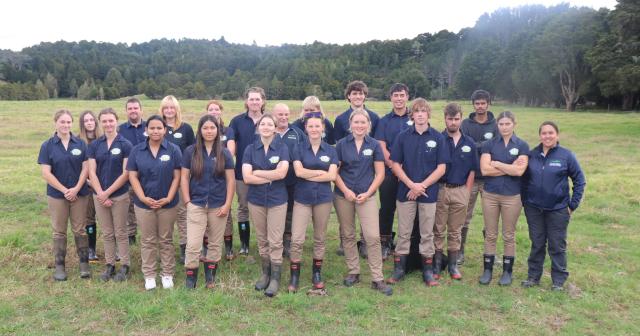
532, 55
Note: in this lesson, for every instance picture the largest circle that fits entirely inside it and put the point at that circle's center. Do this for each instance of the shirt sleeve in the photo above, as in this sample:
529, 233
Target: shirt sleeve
579, 182
83, 148
246, 157
329, 132
284, 153
126, 148
524, 148
177, 158
339, 150
191, 138
377, 152
186, 157
475, 161
396, 150
228, 159
43, 156
333, 156
338, 130
295, 154
443, 155
91, 150
131, 163
486, 147
231, 135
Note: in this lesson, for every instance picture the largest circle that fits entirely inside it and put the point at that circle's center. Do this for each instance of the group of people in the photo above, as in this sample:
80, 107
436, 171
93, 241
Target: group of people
157, 173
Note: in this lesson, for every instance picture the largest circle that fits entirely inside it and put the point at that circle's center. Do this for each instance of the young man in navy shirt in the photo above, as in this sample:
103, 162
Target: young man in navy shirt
291, 136
455, 187
481, 126
419, 156
388, 128
134, 131
356, 94
244, 128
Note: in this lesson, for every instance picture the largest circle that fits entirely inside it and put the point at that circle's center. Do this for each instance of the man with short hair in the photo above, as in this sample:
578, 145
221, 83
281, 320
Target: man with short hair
356, 94
134, 131
481, 126
388, 128
292, 136
244, 128
453, 195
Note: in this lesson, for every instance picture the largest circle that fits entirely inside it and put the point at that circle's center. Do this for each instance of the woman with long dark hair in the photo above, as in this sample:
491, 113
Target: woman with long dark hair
89, 131
207, 186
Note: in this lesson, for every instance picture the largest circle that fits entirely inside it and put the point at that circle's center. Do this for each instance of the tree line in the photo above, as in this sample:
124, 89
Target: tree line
532, 55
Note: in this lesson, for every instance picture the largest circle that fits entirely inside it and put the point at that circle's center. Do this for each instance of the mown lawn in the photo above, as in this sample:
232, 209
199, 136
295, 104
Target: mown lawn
604, 235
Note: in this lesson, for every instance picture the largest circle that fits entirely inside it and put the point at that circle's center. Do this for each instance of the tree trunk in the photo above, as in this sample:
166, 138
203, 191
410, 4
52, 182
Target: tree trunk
569, 91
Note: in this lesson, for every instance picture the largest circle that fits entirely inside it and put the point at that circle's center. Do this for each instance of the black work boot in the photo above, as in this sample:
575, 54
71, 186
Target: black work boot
91, 236
427, 272
228, 247
463, 241
191, 278
340, 250
382, 287
210, 269
453, 266
530, 282
60, 252
437, 265
294, 270
132, 240
351, 279
487, 274
263, 282
123, 274
286, 244
183, 248
83, 256
362, 249
507, 270
385, 244
109, 272
274, 280
316, 276
245, 234
205, 248
399, 267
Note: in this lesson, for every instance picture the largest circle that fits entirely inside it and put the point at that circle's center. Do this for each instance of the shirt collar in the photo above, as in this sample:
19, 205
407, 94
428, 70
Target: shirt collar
72, 138
164, 144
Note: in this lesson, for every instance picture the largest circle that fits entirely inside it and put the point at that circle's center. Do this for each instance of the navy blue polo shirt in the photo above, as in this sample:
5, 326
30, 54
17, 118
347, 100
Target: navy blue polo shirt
388, 129
155, 173
309, 192
464, 159
66, 164
356, 168
210, 190
134, 134
268, 194
245, 132
109, 161
328, 135
504, 185
183, 137
419, 155
545, 184
292, 137
228, 135
341, 125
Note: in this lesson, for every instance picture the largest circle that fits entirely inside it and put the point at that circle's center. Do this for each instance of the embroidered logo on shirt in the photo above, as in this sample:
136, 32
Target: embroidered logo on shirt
223, 138
324, 158
466, 149
145, 134
367, 152
178, 135
76, 152
116, 151
324, 135
514, 151
292, 137
410, 122
555, 163
274, 159
165, 157
432, 144
488, 135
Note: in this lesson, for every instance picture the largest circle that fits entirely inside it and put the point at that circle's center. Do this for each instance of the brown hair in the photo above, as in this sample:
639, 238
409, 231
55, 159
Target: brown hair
452, 110
507, 114
419, 103
356, 86
60, 112
255, 89
83, 131
548, 123
133, 100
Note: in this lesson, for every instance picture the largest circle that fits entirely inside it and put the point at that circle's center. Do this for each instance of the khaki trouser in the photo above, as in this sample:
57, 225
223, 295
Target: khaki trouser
406, 218
370, 228
63, 211
156, 234
319, 214
269, 225
495, 206
200, 221
478, 188
451, 210
228, 229
91, 211
243, 211
113, 223
181, 220
132, 223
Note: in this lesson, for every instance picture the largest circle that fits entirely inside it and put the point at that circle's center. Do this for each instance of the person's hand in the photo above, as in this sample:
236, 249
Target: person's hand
102, 197
361, 198
148, 201
71, 194
350, 196
569, 210
223, 210
418, 188
107, 203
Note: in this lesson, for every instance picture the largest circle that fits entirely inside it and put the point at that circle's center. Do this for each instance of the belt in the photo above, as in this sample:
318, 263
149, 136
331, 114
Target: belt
452, 185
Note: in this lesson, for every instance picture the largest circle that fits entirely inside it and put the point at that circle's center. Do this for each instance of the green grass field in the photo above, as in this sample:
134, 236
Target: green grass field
604, 236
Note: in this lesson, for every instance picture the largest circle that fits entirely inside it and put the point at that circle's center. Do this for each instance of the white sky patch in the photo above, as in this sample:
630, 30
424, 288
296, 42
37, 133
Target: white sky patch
29, 22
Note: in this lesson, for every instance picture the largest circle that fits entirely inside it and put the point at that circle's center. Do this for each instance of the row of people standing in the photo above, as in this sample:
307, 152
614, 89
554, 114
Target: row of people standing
257, 191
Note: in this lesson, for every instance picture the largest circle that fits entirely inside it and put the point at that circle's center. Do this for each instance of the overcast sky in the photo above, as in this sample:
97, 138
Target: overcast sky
27, 22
